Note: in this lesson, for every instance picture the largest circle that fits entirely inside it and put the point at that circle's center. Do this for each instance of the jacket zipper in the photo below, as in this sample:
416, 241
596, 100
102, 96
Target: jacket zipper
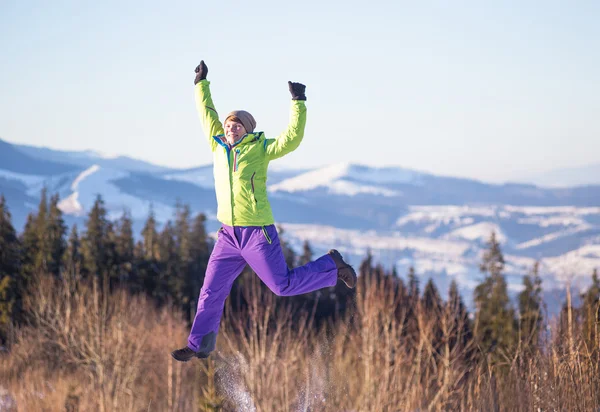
235, 160
252, 183
230, 183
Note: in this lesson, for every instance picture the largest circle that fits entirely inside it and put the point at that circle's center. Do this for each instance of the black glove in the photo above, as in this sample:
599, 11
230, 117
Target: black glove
297, 91
201, 72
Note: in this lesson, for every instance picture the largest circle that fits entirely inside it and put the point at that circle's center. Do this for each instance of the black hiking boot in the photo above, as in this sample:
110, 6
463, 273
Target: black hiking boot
185, 354
345, 272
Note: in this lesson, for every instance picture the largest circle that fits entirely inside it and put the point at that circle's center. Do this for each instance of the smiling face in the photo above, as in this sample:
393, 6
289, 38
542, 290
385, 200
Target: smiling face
234, 130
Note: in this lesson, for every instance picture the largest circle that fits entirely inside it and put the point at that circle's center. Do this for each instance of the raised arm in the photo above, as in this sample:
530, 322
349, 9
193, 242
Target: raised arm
209, 117
291, 138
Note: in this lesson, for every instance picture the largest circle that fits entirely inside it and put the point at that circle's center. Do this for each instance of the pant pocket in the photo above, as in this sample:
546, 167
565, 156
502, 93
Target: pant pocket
266, 235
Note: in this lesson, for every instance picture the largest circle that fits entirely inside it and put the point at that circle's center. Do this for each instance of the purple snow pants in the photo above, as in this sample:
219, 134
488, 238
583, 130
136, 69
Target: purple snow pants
260, 248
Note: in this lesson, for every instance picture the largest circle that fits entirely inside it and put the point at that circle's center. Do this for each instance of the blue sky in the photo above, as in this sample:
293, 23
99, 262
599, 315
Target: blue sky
475, 89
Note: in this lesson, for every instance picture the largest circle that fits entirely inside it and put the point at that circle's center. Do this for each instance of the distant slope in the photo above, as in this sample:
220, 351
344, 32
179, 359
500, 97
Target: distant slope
13, 160
567, 177
88, 158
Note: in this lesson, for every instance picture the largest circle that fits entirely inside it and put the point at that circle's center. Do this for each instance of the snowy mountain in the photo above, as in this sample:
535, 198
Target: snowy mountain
567, 177
85, 158
406, 218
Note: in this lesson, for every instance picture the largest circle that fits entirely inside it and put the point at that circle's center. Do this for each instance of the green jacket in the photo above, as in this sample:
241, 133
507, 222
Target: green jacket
240, 170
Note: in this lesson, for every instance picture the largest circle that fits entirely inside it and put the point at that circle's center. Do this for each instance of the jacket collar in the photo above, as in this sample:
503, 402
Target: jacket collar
245, 139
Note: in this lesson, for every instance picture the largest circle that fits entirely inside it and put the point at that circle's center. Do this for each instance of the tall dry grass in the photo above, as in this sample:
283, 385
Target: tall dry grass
87, 351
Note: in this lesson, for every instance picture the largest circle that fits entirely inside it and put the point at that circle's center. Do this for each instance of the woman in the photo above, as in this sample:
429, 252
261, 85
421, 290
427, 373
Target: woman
248, 235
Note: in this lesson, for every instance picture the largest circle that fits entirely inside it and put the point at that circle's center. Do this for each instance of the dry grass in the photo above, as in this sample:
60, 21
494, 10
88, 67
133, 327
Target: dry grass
85, 351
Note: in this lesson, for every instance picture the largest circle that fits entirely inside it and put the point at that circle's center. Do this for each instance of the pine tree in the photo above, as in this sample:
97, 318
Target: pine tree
432, 302
200, 253
44, 238
413, 307
148, 256
307, 254
124, 248
413, 284
461, 331
42, 255
591, 314
168, 285
56, 231
36, 242
432, 306
150, 237
365, 269
179, 280
288, 252
495, 320
98, 243
29, 244
72, 258
9, 270
530, 309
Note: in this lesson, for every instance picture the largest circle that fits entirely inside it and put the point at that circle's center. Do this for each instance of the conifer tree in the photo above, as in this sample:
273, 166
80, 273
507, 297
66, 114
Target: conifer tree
288, 252
29, 247
148, 256
432, 302
530, 309
495, 319
150, 238
591, 314
307, 254
98, 243
72, 258
432, 307
35, 241
168, 284
200, 253
461, 331
56, 231
413, 307
44, 238
9, 270
42, 254
180, 280
413, 285
124, 248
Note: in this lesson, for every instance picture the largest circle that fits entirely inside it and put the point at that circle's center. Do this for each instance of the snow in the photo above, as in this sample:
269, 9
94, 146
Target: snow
27, 180
344, 187
546, 210
362, 240
550, 237
381, 175
35, 183
478, 232
71, 205
93, 169
341, 179
456, 256
202, 177
99, 155
97, 180
576, 265
446, 214
561, 220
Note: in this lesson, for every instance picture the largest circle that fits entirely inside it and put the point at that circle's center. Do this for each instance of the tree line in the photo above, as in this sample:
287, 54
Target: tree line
168, 264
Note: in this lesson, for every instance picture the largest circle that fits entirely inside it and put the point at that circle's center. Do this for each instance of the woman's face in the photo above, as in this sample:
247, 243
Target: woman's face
234, 131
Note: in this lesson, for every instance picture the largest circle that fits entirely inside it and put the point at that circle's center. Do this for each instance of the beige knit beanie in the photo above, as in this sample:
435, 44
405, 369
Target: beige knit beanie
245, 118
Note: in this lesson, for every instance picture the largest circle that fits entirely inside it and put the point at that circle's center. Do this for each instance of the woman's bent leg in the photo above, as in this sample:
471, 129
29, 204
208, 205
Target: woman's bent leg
262, 250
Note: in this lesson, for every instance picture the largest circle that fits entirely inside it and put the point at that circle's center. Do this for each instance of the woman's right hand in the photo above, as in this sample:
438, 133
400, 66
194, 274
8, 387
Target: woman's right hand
201, 72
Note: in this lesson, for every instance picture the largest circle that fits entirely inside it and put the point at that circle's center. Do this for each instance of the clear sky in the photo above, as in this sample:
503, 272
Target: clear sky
488, 90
